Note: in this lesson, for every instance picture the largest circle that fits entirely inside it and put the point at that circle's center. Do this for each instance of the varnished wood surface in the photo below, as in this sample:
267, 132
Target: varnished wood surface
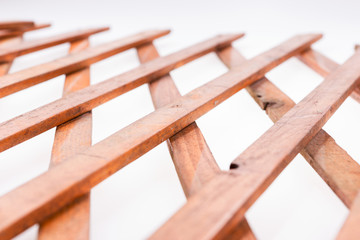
332, 163
12, 83
70, 138
70, 106
36, 45
214, 212
192, 158
323, 65
79, 173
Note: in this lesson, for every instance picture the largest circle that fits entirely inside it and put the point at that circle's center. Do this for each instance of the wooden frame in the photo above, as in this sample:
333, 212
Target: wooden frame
218, 200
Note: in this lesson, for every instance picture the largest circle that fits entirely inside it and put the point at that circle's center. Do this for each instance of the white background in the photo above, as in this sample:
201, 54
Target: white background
132, 203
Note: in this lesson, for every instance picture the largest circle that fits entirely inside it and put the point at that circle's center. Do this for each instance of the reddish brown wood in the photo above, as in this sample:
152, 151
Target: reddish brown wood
16, 24
331, 162
36, 45
42, 196
39, 120
323, 65
350, 230
192, 158
70, 138
6, 33
5, 66
222, 203
12, 83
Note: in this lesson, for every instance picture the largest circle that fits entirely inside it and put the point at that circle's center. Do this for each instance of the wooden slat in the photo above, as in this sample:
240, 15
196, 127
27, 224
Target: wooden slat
12, 83
223, 202
37, 27
351, 230
51, 115
332, 163
6, 33
16, 24
40, 197
5, 66
36, 45
70, 138
323, 65
191, 155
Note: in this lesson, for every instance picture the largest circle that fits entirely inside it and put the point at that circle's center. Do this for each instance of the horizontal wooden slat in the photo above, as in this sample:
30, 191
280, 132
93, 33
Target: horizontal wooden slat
16, 24
323, 65
40, 197
36, 45
37, 27
332, 163
191, 155
39, 120
6, 33
12, 83
223, 202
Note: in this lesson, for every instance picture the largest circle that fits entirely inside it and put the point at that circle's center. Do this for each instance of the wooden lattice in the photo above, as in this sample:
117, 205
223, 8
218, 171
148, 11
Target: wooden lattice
58, 200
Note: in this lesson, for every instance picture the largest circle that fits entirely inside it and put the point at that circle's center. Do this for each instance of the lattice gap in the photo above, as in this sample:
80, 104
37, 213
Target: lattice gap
218, 202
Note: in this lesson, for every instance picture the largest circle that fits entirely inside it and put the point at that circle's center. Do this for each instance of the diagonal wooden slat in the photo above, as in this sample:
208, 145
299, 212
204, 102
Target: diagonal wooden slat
191, 155
15, 82
39, 44
223, 202
53, 114
350, 230
332, 163
78, 174
70, 138
323, 65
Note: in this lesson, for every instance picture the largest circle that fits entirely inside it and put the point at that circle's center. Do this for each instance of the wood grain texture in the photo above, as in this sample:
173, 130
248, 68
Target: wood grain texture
71, 137
77, 175
51, 115
36, 45
331, 162
324, 65
350, 229
193, 160
15, 82
222, 203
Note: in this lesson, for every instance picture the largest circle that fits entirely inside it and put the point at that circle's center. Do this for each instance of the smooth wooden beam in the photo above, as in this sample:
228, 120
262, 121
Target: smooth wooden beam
15, 82
330, 161
324, 65
39, 44
30, 124
193, 160
223, 202
41, 197
71, 137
